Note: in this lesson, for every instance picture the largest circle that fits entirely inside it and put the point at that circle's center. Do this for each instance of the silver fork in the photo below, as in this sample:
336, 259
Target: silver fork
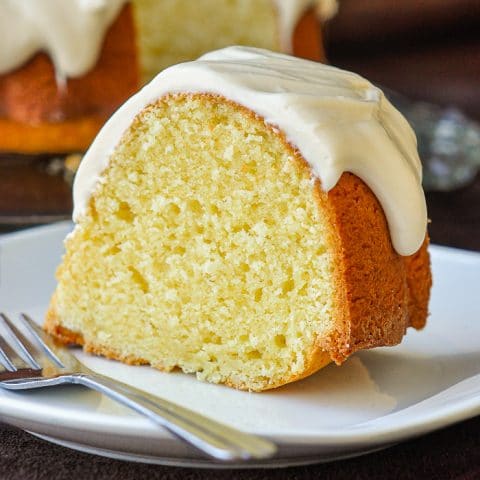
44, 363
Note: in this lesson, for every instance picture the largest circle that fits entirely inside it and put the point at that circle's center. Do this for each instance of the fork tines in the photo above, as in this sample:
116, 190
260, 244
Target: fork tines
18, 352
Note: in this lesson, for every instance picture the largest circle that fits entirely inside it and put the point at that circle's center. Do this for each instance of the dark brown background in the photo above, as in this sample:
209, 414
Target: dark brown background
427, 49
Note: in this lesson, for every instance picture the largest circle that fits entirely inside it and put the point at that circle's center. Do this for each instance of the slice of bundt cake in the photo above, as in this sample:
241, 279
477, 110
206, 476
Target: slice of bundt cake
248, 217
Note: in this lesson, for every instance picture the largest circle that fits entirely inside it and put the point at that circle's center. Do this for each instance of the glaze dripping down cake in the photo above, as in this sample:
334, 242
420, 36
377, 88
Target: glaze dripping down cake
248, 217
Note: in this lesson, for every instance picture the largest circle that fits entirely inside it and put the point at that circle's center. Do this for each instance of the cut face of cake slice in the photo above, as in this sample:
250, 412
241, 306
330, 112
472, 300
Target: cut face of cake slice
206, 239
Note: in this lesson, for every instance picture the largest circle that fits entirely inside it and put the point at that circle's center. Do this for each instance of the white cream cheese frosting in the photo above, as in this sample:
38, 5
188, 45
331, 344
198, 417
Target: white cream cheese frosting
337, 120
70, 31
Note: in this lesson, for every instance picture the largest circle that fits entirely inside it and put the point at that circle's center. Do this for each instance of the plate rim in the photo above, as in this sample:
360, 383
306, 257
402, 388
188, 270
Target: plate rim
349, 436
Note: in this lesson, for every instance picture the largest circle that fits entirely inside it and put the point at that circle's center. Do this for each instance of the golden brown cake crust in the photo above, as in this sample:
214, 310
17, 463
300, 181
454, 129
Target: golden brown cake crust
379, 293
64, 137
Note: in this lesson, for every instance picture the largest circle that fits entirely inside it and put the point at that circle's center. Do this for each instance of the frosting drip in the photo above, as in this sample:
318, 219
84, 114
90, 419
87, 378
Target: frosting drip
338, 121
70, 31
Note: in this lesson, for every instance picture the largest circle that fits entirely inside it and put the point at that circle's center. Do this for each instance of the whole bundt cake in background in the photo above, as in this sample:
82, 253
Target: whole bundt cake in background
69, 65
248, 217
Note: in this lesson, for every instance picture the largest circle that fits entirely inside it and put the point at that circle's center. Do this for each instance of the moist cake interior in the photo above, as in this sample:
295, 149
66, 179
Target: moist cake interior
202, 193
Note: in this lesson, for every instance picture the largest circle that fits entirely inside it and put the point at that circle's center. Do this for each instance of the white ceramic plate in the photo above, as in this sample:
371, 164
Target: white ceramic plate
376, 398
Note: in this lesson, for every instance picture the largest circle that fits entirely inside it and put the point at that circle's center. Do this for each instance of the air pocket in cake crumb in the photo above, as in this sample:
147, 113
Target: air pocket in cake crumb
139, 279
124, 212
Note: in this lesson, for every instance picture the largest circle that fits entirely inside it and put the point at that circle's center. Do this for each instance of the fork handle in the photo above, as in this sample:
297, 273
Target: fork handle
215, 439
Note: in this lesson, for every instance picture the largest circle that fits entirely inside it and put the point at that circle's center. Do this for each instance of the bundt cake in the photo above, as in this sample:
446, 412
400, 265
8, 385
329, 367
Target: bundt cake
69, 65
249, 217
